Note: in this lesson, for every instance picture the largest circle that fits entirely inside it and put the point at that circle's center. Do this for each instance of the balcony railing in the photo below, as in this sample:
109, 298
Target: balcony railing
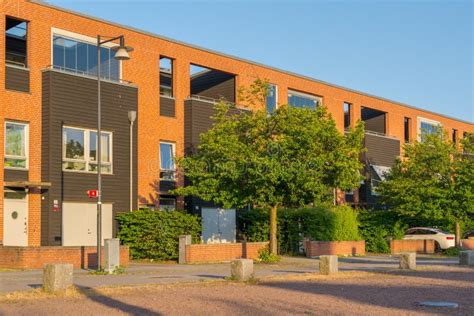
85, 74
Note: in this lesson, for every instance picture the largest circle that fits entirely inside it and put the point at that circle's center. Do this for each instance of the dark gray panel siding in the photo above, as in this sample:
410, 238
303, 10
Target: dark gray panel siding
70, 100
17, 79
167, 107
15, 175
214, 84
376, 124
381, 150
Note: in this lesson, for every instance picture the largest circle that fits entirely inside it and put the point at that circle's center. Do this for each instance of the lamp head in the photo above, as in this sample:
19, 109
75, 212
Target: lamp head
132, 116
121, 52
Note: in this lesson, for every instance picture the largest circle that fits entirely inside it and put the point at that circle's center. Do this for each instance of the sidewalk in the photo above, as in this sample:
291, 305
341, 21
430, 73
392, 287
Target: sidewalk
141, 274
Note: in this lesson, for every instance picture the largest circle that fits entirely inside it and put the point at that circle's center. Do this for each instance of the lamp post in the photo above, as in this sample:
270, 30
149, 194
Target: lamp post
121, 53
132, 116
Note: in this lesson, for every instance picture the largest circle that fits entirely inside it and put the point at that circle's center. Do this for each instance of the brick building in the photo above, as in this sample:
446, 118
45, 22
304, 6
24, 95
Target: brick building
48, 99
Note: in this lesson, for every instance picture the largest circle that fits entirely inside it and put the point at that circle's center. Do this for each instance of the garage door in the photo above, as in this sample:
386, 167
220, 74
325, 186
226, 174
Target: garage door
218, 225
80, 223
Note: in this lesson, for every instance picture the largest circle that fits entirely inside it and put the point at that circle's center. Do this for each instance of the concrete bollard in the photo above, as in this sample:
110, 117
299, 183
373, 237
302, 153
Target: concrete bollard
466, 258
408, 261
57, 277
328, 265
241, 269
184, 240
111, 254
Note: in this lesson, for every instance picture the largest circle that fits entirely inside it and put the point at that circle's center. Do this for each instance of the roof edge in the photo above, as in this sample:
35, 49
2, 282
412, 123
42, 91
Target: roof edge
131, 28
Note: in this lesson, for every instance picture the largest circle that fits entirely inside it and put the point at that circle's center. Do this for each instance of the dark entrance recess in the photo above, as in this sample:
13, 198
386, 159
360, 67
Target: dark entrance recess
211, 84
375, 120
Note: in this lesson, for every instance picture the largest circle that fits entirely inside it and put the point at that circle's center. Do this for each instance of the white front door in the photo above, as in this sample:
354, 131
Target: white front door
80, 223
218, 225
15, 218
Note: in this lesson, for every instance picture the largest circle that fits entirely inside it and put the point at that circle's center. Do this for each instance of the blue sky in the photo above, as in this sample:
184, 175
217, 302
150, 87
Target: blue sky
416, 52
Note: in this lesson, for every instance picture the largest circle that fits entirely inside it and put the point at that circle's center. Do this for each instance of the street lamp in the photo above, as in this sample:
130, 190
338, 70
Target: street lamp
121, 53
132, 116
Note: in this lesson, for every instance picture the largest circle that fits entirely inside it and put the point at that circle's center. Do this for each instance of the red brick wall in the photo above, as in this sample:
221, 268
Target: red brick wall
467, 244
420, 246
320, 248
222, 252
37, 257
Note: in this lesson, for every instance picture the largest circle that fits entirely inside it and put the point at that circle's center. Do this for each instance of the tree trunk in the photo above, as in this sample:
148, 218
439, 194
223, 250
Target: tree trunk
457, 234
273, 230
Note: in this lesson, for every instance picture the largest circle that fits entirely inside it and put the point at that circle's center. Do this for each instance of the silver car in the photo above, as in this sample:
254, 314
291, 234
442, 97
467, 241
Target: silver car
443, 240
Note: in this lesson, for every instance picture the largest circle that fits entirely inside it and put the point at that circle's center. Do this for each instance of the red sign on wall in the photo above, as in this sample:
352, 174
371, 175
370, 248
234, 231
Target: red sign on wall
92, 193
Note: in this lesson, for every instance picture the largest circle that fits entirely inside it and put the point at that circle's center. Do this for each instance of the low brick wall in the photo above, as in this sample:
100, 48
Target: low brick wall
467, 244
419, 246
37, 257
201, 253
322, 248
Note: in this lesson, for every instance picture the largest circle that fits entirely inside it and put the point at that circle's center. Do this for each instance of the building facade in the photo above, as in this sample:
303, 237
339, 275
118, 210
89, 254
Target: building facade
48, 105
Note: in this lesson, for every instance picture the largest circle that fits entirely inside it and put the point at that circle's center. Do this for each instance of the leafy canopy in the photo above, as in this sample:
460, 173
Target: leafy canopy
292, 157
434, 181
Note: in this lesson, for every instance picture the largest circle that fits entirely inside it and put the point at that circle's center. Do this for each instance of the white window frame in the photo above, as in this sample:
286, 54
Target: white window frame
425, 120
26, 141
87, 160
82, 38
318, 99
173, 152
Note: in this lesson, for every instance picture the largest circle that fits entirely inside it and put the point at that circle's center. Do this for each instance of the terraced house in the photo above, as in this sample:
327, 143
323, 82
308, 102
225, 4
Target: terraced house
48, 106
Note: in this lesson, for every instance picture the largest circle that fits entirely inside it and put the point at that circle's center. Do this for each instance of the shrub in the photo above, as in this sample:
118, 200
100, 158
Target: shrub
155, 234
325, 223
265, 256
452, 252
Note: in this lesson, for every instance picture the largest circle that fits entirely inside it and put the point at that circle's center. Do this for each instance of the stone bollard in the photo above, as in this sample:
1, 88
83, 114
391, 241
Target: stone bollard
57, 277
328, 265
408, 260
184, 240
241, 269
111, 254
466, 258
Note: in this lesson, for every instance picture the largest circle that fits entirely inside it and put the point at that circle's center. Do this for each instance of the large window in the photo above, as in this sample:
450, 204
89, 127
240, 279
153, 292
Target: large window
271, 98
80, 150
347, 114
81, 57
166, 76
167, 168
303, 100
16, 145
427, 127
16, 33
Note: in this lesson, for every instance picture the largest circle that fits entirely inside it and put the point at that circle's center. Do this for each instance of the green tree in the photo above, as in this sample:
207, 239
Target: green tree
432, 183
290, 158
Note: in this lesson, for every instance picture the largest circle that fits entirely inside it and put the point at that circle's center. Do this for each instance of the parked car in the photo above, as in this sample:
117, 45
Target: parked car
443, 240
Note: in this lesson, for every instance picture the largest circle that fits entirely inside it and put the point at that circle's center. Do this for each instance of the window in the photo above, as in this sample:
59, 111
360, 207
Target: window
455, 136
81, 57
427, 127
167, 203
80, 150
407, 123
16, 145
303, 100
347, 114
167, 169
166, 76
271, 98
16, 32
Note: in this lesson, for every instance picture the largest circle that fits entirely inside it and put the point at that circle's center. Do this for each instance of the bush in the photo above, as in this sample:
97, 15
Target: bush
155, 234
265, 256
320, 223
452, 252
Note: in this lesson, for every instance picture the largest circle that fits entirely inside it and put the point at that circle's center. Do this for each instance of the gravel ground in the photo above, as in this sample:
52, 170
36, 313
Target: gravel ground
354, 293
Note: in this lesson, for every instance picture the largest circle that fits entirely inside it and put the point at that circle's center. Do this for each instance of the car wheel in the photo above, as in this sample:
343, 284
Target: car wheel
437, 247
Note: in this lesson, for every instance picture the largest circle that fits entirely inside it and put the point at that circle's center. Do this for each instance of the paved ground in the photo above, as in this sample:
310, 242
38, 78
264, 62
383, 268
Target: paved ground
353, 293
173, 273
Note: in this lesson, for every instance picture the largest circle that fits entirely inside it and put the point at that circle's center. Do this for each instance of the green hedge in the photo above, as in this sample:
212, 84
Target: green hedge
320, 223
154, 234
